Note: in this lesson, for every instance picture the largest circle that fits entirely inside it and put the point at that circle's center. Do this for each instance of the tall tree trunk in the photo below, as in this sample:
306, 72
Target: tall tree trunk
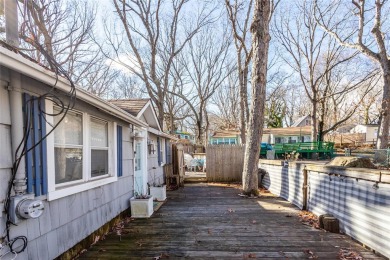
384, 118
172, 124
243, 93
366, 115
206, 131
314, 121
160, 111
260, 44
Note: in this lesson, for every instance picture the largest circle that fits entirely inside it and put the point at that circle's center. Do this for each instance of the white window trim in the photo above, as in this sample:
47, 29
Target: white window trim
109, 149
56, 191
162, 151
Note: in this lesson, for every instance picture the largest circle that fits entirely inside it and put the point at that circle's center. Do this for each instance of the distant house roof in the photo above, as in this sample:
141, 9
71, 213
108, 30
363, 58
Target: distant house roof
291, 131
225, 133
369, 125
183, 133
132, 106
300, 120
143, 109
345, 128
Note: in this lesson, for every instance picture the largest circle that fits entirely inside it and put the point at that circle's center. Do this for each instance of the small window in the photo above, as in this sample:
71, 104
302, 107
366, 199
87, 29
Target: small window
99, 147
161, 151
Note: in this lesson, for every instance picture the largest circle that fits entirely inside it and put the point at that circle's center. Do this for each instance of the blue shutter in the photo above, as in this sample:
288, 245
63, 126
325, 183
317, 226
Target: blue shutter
36, 159
119, 150
166, 151
158, 151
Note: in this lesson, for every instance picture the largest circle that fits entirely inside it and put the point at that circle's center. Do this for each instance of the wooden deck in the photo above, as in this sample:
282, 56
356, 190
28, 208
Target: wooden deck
203, 221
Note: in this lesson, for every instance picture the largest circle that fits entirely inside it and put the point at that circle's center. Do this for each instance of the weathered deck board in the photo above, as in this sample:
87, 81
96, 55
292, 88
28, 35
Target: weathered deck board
211, 222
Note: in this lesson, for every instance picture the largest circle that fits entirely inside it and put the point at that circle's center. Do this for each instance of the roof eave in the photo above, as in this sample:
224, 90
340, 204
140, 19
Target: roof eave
17, 63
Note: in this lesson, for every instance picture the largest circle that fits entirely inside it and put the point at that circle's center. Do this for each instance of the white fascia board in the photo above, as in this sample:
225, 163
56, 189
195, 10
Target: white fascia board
17, 63
161, 134
140, 113
153, 131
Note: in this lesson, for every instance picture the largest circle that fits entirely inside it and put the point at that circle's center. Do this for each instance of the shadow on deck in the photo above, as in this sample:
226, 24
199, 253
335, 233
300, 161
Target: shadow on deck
202, 221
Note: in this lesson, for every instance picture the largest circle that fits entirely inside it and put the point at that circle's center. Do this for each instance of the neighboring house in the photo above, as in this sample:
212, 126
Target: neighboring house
290, 134
158, 143
225, 137
84, 172
182, 135
302, 121
370, 131
345, 129
299, 132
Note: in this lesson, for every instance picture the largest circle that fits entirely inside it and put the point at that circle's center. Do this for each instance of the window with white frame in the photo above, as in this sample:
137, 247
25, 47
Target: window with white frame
162, 151
99, 147
81, 148
68, 147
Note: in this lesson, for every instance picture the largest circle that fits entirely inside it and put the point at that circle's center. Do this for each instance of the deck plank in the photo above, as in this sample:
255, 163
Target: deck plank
204, 221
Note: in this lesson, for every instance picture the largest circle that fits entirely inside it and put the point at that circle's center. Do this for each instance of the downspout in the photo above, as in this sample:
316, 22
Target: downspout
16, 105
15, 98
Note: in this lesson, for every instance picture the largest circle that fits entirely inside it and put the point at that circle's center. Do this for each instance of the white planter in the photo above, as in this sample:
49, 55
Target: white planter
159, 193
141, 208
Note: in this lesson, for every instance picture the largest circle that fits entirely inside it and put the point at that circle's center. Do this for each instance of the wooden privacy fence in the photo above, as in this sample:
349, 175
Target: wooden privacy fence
174, 173
224, 162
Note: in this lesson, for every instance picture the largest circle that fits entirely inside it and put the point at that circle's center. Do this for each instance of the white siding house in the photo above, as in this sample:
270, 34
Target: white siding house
371, 132
158, 142
84, 172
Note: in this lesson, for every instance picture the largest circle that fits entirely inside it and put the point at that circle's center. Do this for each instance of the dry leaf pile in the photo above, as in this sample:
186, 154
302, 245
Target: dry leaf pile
309, 219
310, 254
349, 254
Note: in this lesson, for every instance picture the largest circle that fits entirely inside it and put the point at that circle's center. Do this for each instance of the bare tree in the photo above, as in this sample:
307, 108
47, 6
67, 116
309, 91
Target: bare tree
152, 34
240, 29
176, 109
260, 42
276, 107
99, 77
369, 109
63, 29
349, 25
227, 100
296, 103
317, 58
207, 66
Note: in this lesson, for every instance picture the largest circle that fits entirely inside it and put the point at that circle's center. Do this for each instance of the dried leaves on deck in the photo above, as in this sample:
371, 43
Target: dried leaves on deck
308, 218
349, 254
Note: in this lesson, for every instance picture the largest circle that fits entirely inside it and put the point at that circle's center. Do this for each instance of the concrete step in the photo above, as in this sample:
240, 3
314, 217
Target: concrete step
195, 177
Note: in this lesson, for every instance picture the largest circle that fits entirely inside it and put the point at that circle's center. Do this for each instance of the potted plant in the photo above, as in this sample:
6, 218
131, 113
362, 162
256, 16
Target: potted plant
158, 190
141, 206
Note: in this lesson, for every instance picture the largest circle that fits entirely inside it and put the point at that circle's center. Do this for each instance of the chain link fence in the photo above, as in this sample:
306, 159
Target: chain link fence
382, 156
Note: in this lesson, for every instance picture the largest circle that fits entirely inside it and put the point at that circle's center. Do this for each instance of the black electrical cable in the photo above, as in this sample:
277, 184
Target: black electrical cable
64, 108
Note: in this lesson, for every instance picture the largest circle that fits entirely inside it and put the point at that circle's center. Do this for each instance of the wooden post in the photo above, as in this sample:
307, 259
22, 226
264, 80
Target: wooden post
304, 189
331, 224
321, 219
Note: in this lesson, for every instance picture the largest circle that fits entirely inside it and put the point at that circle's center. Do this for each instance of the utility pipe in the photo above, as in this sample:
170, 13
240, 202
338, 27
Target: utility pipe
16, 105
15, 97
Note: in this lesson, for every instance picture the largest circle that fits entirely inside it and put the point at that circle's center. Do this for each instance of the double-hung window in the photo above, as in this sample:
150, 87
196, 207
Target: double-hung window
84, 154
